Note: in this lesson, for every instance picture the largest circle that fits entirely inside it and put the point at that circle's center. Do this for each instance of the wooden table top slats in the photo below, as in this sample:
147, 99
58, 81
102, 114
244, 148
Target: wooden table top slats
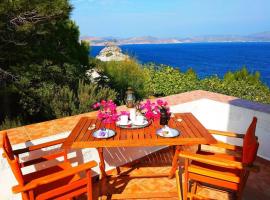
141, 132
179, 126
118, 131
201, 128
135, 135
84, 131
113, 127
186, 131
88, 133
192, 132
123, 134
74, 132
156, 126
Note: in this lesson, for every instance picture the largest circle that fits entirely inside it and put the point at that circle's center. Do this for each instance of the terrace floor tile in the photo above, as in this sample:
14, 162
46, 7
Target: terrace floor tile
159, 163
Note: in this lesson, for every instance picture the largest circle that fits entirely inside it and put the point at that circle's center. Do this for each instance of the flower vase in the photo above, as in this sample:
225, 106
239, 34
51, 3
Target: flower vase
164, 118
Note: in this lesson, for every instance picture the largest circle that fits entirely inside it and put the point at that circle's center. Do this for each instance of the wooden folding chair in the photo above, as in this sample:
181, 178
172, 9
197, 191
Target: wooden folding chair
223, 170
61, 181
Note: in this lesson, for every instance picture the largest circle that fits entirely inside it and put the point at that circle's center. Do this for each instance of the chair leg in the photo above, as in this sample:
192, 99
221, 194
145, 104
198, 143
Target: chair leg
178, 177
175, 161
31, 195
185, 180
194, 188
25, 196
89, 185
239, 194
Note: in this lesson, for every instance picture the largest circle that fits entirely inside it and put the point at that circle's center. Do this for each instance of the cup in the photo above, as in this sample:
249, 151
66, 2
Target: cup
123, 119
132, 114
140, 120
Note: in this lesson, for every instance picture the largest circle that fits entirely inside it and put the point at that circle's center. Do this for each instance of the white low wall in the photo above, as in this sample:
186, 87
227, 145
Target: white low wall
212, 114
226, 117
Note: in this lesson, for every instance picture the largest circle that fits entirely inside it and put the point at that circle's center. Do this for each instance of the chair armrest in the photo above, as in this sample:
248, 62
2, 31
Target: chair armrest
38, 146
44, 158
226, 133
227, 146
54, 177
211, 160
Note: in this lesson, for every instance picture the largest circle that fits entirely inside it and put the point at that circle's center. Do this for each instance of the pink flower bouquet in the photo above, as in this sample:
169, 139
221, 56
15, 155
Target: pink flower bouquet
152, 110
107, 111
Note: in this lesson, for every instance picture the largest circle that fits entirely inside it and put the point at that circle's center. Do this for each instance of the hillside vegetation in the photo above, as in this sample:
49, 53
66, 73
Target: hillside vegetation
43, 64
43, 69
161, 80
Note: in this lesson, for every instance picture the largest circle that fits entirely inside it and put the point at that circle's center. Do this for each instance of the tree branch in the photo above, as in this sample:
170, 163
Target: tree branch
5, 75
32, 17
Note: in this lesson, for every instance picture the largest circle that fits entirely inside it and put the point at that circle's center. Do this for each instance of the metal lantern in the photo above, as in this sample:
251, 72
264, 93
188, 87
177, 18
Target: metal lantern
130, 98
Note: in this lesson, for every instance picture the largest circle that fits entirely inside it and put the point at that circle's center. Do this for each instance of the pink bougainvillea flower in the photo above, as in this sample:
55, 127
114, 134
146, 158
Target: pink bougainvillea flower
96, 105
103, 102
124, 113
159, 102
152, 110
107, 111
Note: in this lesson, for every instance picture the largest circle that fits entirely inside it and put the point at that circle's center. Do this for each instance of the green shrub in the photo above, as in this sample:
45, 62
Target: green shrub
124, 74
167, 80
44, 58
63, 101
239, 88
8, 123
88, 94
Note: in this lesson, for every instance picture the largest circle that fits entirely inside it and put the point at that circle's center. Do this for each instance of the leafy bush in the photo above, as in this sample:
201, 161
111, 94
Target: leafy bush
8, 123
124, 74
88, 94
240, 84
166, 80
63, 101
44, 60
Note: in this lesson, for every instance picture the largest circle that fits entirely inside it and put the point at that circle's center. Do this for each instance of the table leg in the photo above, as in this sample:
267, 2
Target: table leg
175, 161
102, 162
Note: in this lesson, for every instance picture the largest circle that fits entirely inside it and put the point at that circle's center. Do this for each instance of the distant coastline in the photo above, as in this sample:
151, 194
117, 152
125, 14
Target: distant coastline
124, 44
101, 41
207, 59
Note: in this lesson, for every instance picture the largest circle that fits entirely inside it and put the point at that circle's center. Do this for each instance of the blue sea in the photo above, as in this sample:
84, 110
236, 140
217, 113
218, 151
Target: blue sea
205, 58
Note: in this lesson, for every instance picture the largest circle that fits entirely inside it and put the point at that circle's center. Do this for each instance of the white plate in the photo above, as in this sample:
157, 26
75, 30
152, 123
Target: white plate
118, 123
103, 133
145, 122
173, 133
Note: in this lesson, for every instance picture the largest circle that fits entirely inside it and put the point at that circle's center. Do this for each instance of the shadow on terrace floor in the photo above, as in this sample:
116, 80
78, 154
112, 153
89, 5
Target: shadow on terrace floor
159, 163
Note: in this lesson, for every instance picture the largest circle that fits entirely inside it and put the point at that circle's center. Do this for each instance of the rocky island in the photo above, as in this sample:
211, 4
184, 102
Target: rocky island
111, 53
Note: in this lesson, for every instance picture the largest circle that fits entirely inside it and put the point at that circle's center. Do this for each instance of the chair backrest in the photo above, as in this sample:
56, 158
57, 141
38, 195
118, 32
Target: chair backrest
12, 159
250, 144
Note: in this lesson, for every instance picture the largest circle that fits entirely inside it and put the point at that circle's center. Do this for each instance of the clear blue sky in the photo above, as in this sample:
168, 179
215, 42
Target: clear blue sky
170, 18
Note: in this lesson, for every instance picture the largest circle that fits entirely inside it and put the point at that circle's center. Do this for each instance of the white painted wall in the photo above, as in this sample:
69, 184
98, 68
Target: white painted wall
212, 114
226, 117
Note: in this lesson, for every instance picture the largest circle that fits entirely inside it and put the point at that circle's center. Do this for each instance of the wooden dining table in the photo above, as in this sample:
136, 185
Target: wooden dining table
192, 132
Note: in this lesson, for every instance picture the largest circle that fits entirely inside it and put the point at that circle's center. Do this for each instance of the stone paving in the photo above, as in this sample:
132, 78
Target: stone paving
257, 187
